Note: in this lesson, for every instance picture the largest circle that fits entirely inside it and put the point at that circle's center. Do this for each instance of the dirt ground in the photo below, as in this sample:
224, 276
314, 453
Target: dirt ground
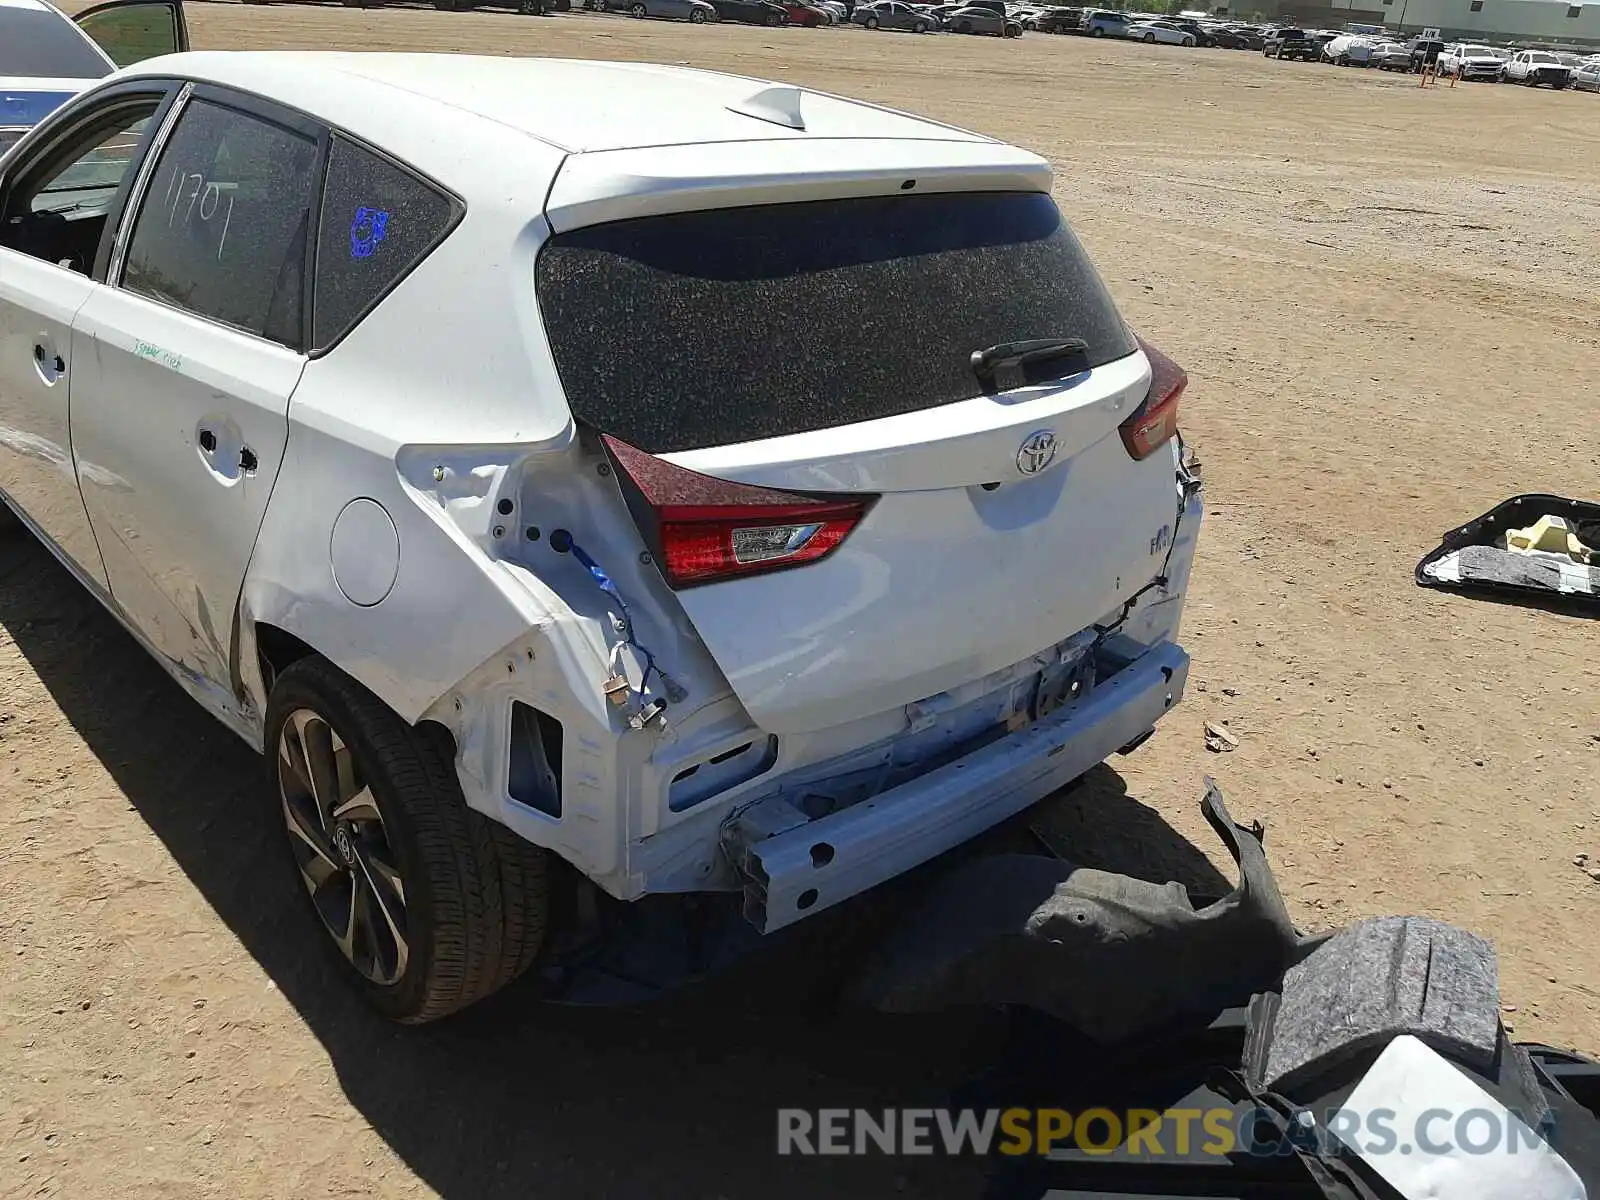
1386, 301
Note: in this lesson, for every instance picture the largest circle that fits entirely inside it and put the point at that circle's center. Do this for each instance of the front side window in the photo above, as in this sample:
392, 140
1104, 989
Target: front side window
59, 211
223, 227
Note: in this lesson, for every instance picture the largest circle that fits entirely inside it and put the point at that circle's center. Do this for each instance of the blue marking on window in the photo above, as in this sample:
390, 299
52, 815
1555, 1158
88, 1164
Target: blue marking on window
367, 230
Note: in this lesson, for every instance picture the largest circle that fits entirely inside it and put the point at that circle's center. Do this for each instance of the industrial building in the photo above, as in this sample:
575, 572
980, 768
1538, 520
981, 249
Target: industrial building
1502, 22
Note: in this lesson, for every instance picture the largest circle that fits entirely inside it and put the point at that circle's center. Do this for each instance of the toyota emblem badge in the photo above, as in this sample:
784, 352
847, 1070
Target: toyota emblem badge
1038, 451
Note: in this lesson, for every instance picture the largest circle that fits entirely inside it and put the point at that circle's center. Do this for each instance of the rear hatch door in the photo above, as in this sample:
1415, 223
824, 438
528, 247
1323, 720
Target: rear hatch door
823, 348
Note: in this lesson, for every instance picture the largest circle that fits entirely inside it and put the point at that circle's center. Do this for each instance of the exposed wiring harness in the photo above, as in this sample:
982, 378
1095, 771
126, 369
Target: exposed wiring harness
562, 542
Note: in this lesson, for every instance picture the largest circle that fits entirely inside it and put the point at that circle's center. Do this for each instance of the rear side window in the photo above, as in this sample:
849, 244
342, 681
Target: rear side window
378, 221
223, 228
711, 328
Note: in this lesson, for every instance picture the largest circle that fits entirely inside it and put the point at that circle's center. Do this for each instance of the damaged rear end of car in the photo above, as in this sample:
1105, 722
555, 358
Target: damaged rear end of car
886, 502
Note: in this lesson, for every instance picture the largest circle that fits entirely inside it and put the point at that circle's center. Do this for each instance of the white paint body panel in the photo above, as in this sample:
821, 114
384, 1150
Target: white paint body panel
176, 525
945, 580
38, 302
443, 408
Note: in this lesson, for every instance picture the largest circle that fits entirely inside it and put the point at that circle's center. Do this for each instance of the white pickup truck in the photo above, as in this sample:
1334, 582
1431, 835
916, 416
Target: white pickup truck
1538, 67
1469, 61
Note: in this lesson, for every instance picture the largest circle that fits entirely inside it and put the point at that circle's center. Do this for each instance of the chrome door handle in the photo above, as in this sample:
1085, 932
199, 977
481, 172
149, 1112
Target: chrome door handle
59, 363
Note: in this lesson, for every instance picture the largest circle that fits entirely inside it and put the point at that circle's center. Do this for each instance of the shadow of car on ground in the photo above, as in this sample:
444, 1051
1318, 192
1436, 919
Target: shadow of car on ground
519, 1097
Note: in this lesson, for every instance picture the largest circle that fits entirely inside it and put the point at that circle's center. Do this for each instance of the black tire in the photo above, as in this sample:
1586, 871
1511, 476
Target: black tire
919, 27
1149, 39
964, 27
638, 10
1095, 31
476, 896
871, 22
697, 16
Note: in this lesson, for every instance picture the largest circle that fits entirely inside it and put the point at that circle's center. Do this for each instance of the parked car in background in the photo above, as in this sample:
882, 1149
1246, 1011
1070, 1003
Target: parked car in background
1291, 42
1349, 50
1588, 77
1105, 22
1390, 56
1223, 38
697, 11
1164, 32
1424, 52
589, 638
1249, 38
892, 14
751, 12
1201, 35
47, 57
808, 16
974, 19
1058, 20
1538, 68
1471, 61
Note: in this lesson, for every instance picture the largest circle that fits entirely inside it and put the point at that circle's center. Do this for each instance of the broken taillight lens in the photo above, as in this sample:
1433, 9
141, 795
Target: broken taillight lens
1155, 422
702, 529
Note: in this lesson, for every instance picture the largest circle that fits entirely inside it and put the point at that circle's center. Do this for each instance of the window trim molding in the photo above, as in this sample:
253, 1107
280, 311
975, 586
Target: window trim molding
112, 275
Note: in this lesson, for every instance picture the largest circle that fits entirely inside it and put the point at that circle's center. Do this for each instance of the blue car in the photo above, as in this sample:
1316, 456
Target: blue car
47, 57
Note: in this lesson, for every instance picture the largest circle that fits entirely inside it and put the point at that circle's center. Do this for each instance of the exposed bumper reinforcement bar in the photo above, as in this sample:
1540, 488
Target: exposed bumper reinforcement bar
794, 867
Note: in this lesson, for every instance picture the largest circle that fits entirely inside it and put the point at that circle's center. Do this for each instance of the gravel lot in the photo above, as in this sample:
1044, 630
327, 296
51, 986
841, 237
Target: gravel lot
1386, 301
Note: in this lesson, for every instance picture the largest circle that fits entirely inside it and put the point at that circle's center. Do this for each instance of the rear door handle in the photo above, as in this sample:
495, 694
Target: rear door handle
59, 363
208, 441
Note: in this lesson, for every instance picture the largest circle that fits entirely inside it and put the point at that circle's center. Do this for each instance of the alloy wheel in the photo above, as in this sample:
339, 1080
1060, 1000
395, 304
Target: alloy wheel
337, 833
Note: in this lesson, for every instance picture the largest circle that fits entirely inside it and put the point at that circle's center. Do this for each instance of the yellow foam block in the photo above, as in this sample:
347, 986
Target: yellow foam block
1549, 535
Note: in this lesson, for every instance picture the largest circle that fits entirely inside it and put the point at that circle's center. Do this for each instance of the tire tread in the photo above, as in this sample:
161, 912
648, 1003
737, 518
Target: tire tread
487, 887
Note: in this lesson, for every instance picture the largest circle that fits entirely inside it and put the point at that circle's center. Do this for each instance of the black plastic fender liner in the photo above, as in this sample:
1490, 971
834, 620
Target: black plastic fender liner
1515, 513
1110, 955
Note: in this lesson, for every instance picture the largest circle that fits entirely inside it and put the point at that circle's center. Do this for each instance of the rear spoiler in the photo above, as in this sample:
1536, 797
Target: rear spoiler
612, 185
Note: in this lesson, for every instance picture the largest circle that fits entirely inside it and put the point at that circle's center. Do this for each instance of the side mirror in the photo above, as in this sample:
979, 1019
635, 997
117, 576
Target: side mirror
131, 31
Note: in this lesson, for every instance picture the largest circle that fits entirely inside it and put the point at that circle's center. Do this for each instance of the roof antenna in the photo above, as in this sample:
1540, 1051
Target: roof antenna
779, 105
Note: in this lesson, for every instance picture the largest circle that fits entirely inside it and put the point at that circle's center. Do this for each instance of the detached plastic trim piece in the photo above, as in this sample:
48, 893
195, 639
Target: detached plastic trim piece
1515, 513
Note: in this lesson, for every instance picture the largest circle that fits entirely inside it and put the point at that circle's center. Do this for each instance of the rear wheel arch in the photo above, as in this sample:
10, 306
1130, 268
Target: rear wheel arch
476, 897
276, 651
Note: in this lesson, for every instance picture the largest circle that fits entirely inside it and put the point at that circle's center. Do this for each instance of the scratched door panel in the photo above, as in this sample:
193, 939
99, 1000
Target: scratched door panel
185, 371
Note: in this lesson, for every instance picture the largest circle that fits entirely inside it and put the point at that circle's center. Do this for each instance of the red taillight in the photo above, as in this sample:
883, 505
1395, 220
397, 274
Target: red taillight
703, 529
1155, 422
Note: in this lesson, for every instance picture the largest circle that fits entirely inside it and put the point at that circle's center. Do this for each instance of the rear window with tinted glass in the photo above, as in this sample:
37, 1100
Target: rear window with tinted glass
379, 219
710, 328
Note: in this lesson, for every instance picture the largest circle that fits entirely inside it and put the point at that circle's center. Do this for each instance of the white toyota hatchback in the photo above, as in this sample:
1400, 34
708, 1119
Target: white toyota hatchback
712, 484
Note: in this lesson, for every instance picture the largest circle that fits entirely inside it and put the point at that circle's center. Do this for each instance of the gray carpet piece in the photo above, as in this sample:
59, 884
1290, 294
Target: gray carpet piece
1376, 980
1489, 564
